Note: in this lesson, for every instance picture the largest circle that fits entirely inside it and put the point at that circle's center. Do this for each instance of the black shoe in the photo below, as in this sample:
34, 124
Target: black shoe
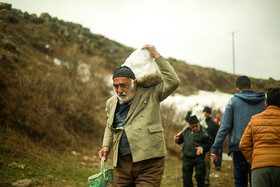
207, 183
218, 168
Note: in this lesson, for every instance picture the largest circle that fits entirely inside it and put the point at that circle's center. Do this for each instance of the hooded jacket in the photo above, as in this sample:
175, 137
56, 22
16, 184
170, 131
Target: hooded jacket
239, 110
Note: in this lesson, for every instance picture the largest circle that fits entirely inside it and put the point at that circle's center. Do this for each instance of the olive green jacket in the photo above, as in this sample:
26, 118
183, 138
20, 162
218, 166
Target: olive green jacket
143, 123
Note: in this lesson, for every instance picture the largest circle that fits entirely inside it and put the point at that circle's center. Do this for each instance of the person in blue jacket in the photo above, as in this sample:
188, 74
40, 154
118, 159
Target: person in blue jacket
239, 110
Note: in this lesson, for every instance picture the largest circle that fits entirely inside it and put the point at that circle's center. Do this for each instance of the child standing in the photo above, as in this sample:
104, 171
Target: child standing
196, 144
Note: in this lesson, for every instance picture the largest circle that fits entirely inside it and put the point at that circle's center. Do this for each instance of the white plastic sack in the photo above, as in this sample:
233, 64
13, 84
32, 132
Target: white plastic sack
144, 67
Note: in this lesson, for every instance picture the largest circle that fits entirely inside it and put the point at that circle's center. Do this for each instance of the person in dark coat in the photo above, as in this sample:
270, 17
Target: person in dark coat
196, 143
212, 129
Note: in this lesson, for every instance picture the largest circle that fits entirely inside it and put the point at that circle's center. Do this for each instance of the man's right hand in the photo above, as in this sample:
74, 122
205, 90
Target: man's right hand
193, 107
176, 138
104, 152
214, 157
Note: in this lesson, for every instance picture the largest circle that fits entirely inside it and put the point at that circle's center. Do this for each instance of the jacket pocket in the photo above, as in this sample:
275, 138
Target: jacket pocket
155, 128
154, 141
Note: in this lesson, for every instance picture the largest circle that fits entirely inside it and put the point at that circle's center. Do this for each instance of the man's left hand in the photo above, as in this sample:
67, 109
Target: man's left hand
214, 157
199, 151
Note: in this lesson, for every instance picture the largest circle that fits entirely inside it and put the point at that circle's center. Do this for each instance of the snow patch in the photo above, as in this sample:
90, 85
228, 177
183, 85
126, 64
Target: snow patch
216, 100
57, 62
83, 72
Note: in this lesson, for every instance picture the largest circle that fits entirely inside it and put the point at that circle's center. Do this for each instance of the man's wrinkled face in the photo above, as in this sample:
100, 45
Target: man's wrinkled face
194, 127
125, 88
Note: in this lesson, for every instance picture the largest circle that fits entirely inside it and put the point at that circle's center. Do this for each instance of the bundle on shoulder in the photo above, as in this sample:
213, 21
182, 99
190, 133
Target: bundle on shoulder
144, 67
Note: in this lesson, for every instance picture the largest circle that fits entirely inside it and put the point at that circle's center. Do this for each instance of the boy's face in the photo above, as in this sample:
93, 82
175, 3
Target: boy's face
194, 127
206, 114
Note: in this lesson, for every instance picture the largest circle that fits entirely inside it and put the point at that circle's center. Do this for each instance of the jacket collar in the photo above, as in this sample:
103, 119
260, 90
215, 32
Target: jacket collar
134, 103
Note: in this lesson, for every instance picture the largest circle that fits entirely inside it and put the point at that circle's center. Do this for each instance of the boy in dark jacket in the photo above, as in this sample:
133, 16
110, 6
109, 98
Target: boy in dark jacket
196, 143
212, 129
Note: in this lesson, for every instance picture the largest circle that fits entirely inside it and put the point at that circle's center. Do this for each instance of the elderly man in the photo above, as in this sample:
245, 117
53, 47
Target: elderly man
134, 130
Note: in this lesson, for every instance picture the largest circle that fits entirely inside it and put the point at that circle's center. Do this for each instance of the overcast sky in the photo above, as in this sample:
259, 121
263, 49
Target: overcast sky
196, 31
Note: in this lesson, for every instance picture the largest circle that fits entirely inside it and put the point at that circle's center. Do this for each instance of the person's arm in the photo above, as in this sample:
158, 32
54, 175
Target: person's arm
107, 140
246, 143
178, 139
224, 129
170, 79
213, 131
216, 128
107, 144
206, 143
188, 116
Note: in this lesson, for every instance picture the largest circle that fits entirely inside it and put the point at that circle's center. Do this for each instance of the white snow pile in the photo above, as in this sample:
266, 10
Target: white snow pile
216, 100
59, 62
83, 72
144, 67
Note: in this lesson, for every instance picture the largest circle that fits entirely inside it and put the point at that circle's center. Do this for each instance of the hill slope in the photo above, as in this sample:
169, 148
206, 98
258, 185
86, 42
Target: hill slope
52, 76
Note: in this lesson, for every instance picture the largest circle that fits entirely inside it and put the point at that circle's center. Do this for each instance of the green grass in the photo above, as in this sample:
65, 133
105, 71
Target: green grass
46, 170
69, 170
224, 177
172, 172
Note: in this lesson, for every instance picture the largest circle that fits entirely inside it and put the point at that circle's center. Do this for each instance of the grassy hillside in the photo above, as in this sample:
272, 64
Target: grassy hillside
195, 78
49, 103
53, 88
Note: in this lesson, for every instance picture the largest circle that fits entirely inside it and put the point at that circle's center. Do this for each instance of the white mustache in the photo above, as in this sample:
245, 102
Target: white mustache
122, 94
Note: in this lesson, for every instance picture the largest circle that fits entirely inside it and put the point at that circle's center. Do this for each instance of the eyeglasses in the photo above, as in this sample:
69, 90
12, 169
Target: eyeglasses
121, 85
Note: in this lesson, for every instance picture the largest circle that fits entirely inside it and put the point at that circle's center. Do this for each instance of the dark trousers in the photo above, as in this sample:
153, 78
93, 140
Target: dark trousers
266, 177
207, 166
241, 169
146, 173
199, 164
